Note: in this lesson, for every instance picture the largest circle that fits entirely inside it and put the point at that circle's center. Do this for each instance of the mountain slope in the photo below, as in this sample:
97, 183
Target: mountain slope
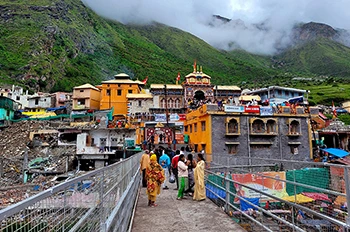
55, 45
320, 56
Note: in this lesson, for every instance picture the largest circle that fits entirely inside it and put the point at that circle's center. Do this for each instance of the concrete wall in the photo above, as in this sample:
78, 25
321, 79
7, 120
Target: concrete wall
144, 108
92, 99
41, 102
280, 147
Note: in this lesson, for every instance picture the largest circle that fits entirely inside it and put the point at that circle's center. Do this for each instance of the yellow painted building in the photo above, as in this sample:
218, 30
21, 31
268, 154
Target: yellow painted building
86, 97
198, 127
114, 93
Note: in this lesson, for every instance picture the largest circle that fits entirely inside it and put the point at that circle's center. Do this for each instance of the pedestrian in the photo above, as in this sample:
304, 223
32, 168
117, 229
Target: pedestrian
191, 164
164, 161
183, 176
155, 177
199, 187
144, 144
174, 163
161, 138
144, 164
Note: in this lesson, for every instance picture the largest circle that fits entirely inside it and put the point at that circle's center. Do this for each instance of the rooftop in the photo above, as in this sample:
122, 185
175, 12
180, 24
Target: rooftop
86, 86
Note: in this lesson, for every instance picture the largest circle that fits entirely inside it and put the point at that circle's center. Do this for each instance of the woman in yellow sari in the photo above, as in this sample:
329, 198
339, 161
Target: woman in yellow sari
155, 177
199, 187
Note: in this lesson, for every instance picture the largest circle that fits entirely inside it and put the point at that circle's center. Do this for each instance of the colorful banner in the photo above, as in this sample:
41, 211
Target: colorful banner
251, 109
261, 182
231, 109
266, 111
174, 117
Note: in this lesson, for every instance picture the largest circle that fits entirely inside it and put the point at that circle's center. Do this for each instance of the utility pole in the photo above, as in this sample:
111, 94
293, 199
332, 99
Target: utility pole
166, 106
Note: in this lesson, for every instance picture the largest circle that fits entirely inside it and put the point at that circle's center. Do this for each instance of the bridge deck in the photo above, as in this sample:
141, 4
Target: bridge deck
180, 215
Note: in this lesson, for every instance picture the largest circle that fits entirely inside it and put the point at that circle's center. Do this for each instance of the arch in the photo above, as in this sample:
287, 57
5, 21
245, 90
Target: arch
271, 126
162, 103
177, 103
258, 126
294, 127
199, 95
232, 126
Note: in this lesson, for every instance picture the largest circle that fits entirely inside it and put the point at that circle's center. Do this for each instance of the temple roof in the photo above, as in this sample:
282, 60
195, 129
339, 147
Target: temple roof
86, 86
168, 86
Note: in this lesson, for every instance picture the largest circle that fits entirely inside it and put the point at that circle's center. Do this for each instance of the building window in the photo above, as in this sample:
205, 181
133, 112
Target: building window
118, 85
130, 91
195, 127
177, 103
190, 128
18, 98
129, 85
287, 93
279, 92
36, 101
162, 103
108, 92
294, 150
231, 148
81, 101
294, 127
119, 92
170, 103
140, 103
271, 126
203, 126
258, 126
232, 127
203, 147
186, 128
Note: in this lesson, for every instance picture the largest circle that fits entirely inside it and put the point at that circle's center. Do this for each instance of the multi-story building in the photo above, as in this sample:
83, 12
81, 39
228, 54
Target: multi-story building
167, 96
86, 97
277, 94
114, 92
38, 103
250, 131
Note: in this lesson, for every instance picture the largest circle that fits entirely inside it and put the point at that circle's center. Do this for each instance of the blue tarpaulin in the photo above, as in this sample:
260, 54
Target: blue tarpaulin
336, 152
296, 99
216, 190
245, 206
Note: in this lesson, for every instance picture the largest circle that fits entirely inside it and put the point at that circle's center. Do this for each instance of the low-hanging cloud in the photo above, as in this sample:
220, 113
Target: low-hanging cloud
258, 26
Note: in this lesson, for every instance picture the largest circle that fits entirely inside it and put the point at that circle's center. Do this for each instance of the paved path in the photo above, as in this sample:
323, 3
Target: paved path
185, 215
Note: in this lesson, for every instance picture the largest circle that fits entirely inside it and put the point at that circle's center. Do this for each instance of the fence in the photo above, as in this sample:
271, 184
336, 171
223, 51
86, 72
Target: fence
101, 200
265, 196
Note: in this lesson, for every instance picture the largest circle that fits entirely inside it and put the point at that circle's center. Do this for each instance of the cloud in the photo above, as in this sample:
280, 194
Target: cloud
266, 25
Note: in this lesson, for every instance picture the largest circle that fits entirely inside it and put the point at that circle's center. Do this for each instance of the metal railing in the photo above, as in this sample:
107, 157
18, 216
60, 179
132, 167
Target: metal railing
314, 196
100, 200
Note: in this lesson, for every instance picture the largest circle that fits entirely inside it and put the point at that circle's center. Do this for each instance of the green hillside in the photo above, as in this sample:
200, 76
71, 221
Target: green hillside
55, 45
321, 57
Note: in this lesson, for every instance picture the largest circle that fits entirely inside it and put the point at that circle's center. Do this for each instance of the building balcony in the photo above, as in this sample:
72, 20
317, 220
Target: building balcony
263, 133
294, 134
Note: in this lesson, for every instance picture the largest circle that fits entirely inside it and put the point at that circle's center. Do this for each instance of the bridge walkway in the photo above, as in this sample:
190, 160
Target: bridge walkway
180, 215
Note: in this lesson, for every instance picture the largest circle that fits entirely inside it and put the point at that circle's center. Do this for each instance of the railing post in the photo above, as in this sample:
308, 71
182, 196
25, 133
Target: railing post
347, 191
227, 189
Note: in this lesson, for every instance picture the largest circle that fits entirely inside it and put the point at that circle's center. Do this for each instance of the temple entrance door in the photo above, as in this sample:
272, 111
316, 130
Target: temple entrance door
199, 95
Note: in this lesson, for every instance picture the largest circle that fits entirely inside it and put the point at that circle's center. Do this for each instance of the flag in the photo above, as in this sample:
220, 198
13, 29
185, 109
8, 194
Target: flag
334, 111
178, 77
145, 80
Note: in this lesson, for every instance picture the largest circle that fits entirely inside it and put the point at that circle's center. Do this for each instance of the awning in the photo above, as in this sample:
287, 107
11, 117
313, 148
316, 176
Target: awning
318, 196
296, 99
336, 152
299, 199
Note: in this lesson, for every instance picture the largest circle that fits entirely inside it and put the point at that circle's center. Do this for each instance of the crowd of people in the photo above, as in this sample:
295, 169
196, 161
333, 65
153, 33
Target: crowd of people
163, 166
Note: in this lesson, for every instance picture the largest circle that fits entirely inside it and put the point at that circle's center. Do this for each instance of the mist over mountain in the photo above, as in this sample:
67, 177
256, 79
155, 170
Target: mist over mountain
257, 26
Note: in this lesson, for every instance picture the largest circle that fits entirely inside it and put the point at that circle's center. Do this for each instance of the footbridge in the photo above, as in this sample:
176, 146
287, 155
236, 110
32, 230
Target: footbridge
111, 199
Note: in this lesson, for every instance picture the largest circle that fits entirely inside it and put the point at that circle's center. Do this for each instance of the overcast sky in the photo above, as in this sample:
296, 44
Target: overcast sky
193, 16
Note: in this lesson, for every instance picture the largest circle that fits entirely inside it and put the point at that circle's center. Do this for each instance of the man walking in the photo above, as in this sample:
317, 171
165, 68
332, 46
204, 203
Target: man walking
164, 161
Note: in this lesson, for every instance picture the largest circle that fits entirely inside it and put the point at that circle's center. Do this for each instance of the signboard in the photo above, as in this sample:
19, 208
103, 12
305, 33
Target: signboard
236, 109
266, 111
174, 117
262, 182
252, 109
129, 142
182, 117
160, 117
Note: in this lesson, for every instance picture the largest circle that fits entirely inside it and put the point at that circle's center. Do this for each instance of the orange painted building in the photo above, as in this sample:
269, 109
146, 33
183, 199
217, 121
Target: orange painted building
86, 97
114, 92
198, 127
